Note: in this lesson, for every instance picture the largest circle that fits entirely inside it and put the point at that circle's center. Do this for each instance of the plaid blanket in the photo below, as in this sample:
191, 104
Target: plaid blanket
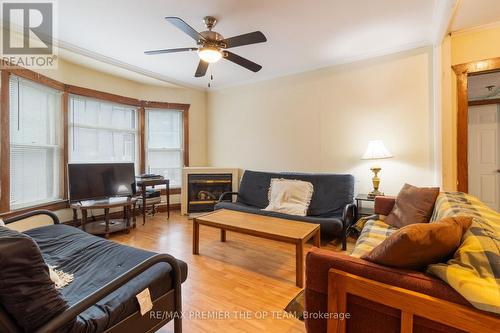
373, 232
474, 270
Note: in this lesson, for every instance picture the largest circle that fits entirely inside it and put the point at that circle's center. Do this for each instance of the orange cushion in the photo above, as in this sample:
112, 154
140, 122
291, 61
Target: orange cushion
418, 245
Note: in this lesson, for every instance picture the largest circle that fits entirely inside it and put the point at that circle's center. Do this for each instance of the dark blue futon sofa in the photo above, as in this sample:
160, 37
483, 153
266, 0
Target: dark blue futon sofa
331, 204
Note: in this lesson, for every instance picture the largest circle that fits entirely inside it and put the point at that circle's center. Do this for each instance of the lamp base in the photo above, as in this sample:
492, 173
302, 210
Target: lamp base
375, 193
376, 182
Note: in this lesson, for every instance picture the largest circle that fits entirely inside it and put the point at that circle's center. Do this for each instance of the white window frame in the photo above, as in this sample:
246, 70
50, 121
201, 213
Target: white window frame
55, 149
72, 125
181, 140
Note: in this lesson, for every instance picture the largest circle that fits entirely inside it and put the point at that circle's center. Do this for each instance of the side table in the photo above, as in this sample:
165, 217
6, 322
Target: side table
106, 226
364, 211
143, 183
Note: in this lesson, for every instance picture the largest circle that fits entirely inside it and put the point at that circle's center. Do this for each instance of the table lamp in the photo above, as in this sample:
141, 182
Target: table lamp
376, 151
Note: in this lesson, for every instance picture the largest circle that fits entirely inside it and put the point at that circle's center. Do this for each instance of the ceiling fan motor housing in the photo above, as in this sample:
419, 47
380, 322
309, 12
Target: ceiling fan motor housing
212, 37
210, 22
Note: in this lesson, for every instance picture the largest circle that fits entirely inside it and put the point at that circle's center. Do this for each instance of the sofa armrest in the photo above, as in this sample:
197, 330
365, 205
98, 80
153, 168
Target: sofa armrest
20, 217
319, 262
226, 194
384, 205
349, 214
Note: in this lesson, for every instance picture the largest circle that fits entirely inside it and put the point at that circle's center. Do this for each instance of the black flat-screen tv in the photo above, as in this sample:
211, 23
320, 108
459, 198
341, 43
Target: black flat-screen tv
100, 180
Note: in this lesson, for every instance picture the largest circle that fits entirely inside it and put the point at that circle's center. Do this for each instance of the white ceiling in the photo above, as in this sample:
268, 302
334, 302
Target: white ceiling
302, 34
477, 86
112, 35
474, 13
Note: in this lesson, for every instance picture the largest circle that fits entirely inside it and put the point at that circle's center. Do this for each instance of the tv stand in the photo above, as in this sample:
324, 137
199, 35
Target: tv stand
107, 226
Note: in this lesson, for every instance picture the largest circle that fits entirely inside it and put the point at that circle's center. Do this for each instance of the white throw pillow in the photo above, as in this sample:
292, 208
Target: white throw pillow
2, 223
289, 196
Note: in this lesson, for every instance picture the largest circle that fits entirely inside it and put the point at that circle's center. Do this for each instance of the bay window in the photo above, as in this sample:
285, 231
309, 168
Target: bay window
165, 144
101, 131
35, 143
50, 124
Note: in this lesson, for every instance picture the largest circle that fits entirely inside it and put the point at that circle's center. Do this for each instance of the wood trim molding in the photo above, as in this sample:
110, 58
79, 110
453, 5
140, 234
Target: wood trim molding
165, 105
411, 304
477, 67
4, 144
57, 205
35, 77
173, 191
65, 150
142, 139
485, 102
63, 204
185, 122
102, 95
463, 71
462, 134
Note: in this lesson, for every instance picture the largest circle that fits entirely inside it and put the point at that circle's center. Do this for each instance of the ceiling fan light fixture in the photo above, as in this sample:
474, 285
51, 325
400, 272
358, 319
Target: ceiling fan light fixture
210, 54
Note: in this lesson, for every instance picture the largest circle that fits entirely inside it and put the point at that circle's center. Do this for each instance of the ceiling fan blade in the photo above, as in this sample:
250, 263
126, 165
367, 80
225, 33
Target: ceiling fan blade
202, 69
250, 65
180, 24
171, 50
245, 39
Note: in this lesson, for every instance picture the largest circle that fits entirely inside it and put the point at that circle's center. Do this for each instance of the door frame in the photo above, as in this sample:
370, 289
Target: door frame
462, 72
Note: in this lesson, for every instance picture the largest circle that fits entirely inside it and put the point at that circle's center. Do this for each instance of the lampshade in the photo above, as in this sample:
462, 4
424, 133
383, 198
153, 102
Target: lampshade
376, 150
210, 54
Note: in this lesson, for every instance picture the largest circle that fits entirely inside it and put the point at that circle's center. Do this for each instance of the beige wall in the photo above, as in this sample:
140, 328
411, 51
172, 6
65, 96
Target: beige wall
460, 48
73, 74
322, 121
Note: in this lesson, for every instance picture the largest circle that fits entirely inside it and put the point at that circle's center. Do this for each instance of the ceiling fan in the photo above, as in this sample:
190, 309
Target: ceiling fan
212, 45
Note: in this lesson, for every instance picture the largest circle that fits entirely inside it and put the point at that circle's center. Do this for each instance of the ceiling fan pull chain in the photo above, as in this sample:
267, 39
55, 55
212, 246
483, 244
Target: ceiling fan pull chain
211, 78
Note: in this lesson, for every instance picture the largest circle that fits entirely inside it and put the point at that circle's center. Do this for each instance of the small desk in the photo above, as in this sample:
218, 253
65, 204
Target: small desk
143, 183
106, 226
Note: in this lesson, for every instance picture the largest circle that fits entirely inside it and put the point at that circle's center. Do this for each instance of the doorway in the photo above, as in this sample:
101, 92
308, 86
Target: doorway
483, 129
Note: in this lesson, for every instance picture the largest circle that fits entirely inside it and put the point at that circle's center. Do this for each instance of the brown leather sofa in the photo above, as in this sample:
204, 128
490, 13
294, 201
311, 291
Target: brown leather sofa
373, 315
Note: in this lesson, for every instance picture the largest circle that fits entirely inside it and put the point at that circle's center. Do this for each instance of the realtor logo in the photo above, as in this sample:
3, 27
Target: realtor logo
28, 33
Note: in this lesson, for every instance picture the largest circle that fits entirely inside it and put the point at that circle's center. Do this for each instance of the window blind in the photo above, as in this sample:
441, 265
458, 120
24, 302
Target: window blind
35, 143
164, 141
102, 132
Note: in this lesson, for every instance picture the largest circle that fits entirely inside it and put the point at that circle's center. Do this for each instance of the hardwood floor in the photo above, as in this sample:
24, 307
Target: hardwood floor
246, 279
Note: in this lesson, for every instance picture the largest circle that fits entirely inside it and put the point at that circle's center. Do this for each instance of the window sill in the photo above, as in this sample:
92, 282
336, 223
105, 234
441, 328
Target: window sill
173, 190
53, 205
62, 204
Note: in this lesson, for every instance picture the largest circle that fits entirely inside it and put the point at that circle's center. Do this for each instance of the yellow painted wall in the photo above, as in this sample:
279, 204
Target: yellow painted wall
322, 121
457, 49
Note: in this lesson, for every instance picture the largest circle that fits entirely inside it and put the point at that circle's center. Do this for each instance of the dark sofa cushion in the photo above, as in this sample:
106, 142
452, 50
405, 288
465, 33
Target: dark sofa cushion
95, 261
331, 191
26, 291
330, 226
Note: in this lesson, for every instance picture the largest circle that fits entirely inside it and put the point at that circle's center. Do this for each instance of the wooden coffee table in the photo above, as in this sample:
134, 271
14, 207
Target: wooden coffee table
288, 231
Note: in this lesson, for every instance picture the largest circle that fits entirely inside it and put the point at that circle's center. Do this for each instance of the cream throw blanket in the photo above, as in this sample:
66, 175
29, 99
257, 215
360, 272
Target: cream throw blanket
289, 196
60, 278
